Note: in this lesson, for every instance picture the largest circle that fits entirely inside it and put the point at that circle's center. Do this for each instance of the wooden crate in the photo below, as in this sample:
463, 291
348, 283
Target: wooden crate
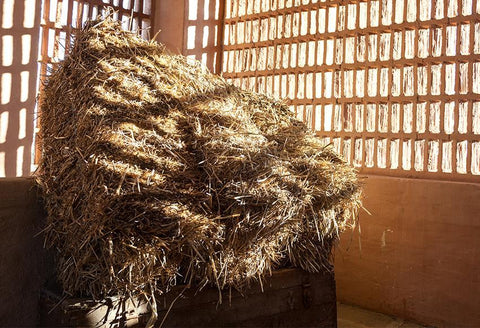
290, 298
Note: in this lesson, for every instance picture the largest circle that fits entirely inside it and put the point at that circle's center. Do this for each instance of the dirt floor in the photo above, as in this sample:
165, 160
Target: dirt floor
354, 317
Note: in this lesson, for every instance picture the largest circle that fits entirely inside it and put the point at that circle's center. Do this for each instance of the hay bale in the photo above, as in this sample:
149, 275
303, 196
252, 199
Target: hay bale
156, 172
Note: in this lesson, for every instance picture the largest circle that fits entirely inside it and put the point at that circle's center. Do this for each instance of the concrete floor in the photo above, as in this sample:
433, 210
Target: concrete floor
354, 317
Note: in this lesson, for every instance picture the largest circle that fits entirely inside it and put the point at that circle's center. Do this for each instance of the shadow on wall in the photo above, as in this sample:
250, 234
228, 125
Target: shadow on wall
203, 32
19, 31
24, 263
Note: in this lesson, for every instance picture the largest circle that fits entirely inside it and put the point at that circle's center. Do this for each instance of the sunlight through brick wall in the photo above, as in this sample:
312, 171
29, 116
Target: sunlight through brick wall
203, 32
35, 36
18, 78
393, 85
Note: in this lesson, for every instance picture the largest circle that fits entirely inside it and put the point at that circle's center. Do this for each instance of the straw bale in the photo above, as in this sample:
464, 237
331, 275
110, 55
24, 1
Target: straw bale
156, 172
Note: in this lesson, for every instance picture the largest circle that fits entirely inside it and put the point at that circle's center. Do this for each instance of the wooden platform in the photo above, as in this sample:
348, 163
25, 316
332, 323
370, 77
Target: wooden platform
290, 298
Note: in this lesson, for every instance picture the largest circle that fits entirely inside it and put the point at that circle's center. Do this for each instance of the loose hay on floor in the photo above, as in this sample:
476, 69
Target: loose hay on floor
156, 172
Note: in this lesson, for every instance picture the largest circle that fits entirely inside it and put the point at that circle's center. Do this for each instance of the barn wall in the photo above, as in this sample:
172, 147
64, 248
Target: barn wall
23, 262
19, 28
168, 23
417, 256
418, 253
193, 28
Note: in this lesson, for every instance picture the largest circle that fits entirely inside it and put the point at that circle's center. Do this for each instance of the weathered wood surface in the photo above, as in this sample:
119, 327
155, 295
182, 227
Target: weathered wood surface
418, 254
290, 298
23, 261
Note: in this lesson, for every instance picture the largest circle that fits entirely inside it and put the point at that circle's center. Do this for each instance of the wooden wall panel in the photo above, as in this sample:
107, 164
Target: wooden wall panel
417, 255
24, 264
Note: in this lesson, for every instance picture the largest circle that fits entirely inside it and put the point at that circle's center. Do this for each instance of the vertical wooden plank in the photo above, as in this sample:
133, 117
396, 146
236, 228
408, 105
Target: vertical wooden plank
428, 103
367, 84
153, 9
200, 23
457, 92
414, 113
44, 45
221, 30
342, 75
42, 76
390, 83
415, 83
443, 80
68, 28
325, 51
401, 139
58, 28
185, 26
79, 13
90, 9
355, 91
470, 86
425, 155
354, 70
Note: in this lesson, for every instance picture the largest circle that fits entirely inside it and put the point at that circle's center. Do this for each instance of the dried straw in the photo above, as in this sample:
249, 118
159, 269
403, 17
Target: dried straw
156, 172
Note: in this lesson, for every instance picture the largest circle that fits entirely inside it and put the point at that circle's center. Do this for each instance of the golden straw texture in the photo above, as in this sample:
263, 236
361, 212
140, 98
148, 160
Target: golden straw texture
156, 172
